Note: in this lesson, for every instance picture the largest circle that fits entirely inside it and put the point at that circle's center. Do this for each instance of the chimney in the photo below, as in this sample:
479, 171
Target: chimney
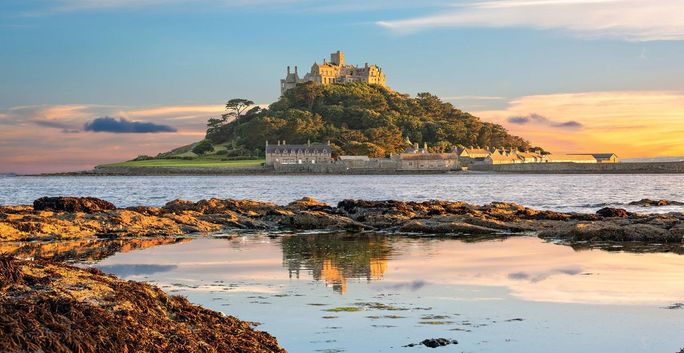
266, 143
308, 142
284, 143
425, 146
288, 70
278, 142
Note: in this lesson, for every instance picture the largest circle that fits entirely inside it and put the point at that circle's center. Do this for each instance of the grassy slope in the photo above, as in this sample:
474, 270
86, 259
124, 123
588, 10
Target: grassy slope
195, 163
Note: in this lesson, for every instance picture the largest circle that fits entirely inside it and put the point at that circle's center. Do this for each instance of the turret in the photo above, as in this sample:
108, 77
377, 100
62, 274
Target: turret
337, 58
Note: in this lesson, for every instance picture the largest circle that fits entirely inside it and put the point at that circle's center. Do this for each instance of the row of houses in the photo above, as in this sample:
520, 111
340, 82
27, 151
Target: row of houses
416, 158
514, 156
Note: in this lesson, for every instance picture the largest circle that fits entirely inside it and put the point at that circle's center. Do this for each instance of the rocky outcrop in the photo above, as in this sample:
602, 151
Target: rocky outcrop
656, 203
94, 218
50, 307
72, 204
610, 212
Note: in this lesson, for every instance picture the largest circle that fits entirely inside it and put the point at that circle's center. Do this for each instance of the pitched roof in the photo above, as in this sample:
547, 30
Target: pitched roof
502, 157
475, 152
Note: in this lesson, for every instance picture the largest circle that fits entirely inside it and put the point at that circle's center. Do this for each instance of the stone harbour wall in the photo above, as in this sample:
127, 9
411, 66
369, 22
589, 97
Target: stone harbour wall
584, 168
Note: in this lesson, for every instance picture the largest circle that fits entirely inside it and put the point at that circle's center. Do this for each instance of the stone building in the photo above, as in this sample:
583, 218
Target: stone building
310, 153
417, 159
470, 155
335, 71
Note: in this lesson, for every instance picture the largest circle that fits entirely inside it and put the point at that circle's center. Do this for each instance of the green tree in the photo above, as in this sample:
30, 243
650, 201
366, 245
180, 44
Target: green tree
202, 148
234, 108
357, 118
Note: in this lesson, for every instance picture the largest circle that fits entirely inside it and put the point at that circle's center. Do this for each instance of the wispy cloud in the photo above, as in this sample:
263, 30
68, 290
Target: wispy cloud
542, 120
472, 98
632, 20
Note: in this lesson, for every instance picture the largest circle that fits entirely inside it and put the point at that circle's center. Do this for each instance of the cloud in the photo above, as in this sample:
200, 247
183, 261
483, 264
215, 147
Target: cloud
540, 276
475, 98
122, 125
542, 120
631, 20
629, 123
32, 137
412, 286
66, 128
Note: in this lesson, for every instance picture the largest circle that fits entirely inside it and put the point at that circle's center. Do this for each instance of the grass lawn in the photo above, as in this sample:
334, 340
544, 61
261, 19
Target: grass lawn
195, 163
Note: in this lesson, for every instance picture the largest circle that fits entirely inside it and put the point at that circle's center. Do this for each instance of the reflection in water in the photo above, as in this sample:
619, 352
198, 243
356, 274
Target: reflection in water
519, 294
126, 270
335, 258
81, 250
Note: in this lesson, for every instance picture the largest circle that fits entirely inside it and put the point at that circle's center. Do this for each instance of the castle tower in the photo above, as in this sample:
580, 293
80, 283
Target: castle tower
337, 58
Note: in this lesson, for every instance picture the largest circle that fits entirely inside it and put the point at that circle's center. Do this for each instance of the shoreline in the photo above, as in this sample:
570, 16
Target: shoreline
69, 218
671, 167
93, 228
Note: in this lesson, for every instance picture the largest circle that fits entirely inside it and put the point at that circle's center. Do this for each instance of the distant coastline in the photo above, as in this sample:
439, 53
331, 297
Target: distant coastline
673, 167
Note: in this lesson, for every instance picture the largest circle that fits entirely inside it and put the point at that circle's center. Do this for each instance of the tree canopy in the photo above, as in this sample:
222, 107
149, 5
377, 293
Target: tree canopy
358, 118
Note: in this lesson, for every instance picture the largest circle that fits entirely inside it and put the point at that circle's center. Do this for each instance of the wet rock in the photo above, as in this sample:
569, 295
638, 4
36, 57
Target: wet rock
610, 212
50, 307
655, 203
180, 217
307, 203
72, 204
322, 220
433, 342
432, 227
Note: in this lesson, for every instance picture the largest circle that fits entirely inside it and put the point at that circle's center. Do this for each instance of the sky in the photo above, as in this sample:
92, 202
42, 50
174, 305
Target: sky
86, 82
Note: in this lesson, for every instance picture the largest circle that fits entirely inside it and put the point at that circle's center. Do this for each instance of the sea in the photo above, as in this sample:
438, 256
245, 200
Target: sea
367, 292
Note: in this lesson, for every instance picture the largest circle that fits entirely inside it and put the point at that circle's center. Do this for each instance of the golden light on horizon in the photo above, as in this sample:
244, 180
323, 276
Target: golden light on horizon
631, 124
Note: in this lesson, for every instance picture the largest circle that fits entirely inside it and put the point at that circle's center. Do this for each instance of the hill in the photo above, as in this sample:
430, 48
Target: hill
358, 119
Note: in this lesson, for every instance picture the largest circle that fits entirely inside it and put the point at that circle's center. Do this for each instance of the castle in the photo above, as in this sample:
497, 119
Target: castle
334, 71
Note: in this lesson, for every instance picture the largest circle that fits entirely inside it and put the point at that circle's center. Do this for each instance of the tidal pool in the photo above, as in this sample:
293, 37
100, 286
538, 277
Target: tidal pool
378, 293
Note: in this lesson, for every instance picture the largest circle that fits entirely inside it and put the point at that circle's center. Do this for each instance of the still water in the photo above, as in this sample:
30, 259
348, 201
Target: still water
376, 293
585, 193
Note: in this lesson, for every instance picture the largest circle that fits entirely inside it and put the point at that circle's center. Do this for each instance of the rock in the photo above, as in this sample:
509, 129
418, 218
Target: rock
322, 220
613, 212
73, 204
307, 203
50, 220
433, 342
432, 227
656, 203
51, 307
585, 231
